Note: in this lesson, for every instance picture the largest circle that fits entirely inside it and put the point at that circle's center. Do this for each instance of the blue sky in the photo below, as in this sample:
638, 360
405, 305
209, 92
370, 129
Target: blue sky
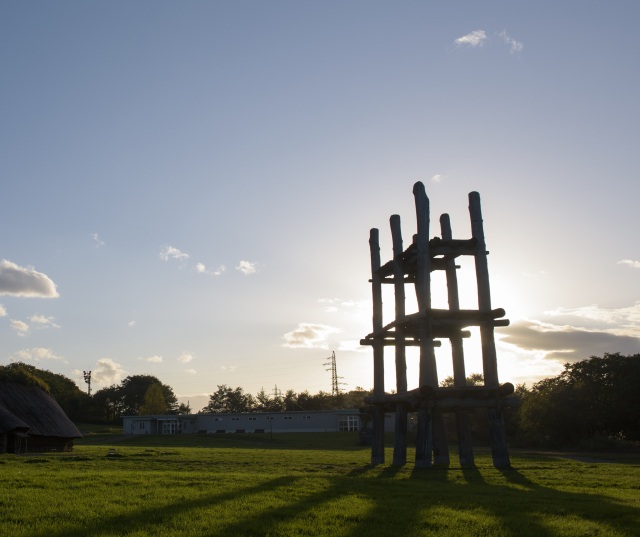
188, 187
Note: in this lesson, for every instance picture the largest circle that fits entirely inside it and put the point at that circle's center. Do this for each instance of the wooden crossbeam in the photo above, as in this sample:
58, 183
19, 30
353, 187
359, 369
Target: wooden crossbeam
438, 249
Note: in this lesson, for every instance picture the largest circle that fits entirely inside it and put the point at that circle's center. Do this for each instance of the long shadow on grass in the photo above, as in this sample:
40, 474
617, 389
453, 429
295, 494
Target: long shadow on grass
382, 501
161, 515
521, 505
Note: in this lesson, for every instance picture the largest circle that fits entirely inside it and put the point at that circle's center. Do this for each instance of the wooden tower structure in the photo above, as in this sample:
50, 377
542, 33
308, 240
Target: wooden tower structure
424, 328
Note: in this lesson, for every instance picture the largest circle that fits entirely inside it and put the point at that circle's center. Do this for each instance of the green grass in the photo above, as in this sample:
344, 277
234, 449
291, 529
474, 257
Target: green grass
304, 484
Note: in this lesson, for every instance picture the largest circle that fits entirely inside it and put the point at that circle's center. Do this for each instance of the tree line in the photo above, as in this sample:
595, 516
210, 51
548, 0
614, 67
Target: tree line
591, 403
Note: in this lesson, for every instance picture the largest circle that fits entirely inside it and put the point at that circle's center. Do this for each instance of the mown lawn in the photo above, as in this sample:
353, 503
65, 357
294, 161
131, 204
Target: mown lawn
304, 484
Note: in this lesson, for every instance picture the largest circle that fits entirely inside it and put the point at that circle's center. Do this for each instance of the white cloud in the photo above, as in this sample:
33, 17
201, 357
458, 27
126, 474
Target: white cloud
37, 354
626, 320
202, 269
330, 305
43, 322
132, 324
339, 302
153, 359
107, 372
247, 268
353, 307
25, 282
170, 252
20, 327
514, 46
97, 243
191, 371
309, 336
230, 368
185, 358
472, 39
629, 262
3, 311
436, 178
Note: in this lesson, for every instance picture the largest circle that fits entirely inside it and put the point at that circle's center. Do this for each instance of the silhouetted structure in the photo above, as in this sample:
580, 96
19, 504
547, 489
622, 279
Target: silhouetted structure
31, 420
423, 328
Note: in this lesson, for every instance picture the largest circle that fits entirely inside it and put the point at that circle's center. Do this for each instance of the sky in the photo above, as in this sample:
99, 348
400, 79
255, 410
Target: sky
188, 187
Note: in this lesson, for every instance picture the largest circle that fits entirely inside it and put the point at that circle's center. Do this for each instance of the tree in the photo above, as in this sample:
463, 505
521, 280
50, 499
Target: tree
107, 404
264, 403
474, 379
154, 402
134, 388
184, 408
126, 399
320, 401
289, 401
594, 398
72, 399
355, 397
227, 399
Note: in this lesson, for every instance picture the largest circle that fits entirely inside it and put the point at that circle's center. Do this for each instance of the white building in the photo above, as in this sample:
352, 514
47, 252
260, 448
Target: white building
316, 421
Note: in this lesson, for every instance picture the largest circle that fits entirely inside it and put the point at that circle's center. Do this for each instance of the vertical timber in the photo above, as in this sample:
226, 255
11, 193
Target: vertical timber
463, 427
400, 437
499, 450
377, 446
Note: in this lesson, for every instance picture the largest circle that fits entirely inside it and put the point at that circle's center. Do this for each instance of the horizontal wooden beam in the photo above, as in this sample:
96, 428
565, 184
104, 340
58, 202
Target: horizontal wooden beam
447, 398
439, 251
442, 320
390, 342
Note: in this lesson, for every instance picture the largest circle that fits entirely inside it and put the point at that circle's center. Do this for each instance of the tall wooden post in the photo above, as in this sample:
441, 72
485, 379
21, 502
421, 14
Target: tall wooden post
400, 437
424, 432
463, 428
499, 450
430, 437
377, 447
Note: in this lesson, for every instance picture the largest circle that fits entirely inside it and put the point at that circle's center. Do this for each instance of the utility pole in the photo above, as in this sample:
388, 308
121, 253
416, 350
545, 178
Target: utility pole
87, 379
331, 366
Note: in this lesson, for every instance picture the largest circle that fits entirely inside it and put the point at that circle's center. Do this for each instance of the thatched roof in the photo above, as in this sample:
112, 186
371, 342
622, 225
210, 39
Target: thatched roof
25, 407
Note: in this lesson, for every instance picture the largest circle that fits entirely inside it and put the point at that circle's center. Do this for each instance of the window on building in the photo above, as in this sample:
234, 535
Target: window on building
348, 423
142, 425
252, 419
288, 417
235, 419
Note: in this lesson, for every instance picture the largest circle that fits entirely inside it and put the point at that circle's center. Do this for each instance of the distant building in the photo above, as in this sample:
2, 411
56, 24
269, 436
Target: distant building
316, 421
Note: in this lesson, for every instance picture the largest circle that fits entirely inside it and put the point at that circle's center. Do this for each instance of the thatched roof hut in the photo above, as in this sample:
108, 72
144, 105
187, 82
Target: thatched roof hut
31, 420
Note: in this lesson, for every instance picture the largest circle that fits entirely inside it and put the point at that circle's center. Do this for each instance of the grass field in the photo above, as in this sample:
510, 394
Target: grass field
304, 484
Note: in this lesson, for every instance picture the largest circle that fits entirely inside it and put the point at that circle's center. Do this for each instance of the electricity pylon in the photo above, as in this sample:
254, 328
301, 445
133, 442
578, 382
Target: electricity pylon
331, 366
